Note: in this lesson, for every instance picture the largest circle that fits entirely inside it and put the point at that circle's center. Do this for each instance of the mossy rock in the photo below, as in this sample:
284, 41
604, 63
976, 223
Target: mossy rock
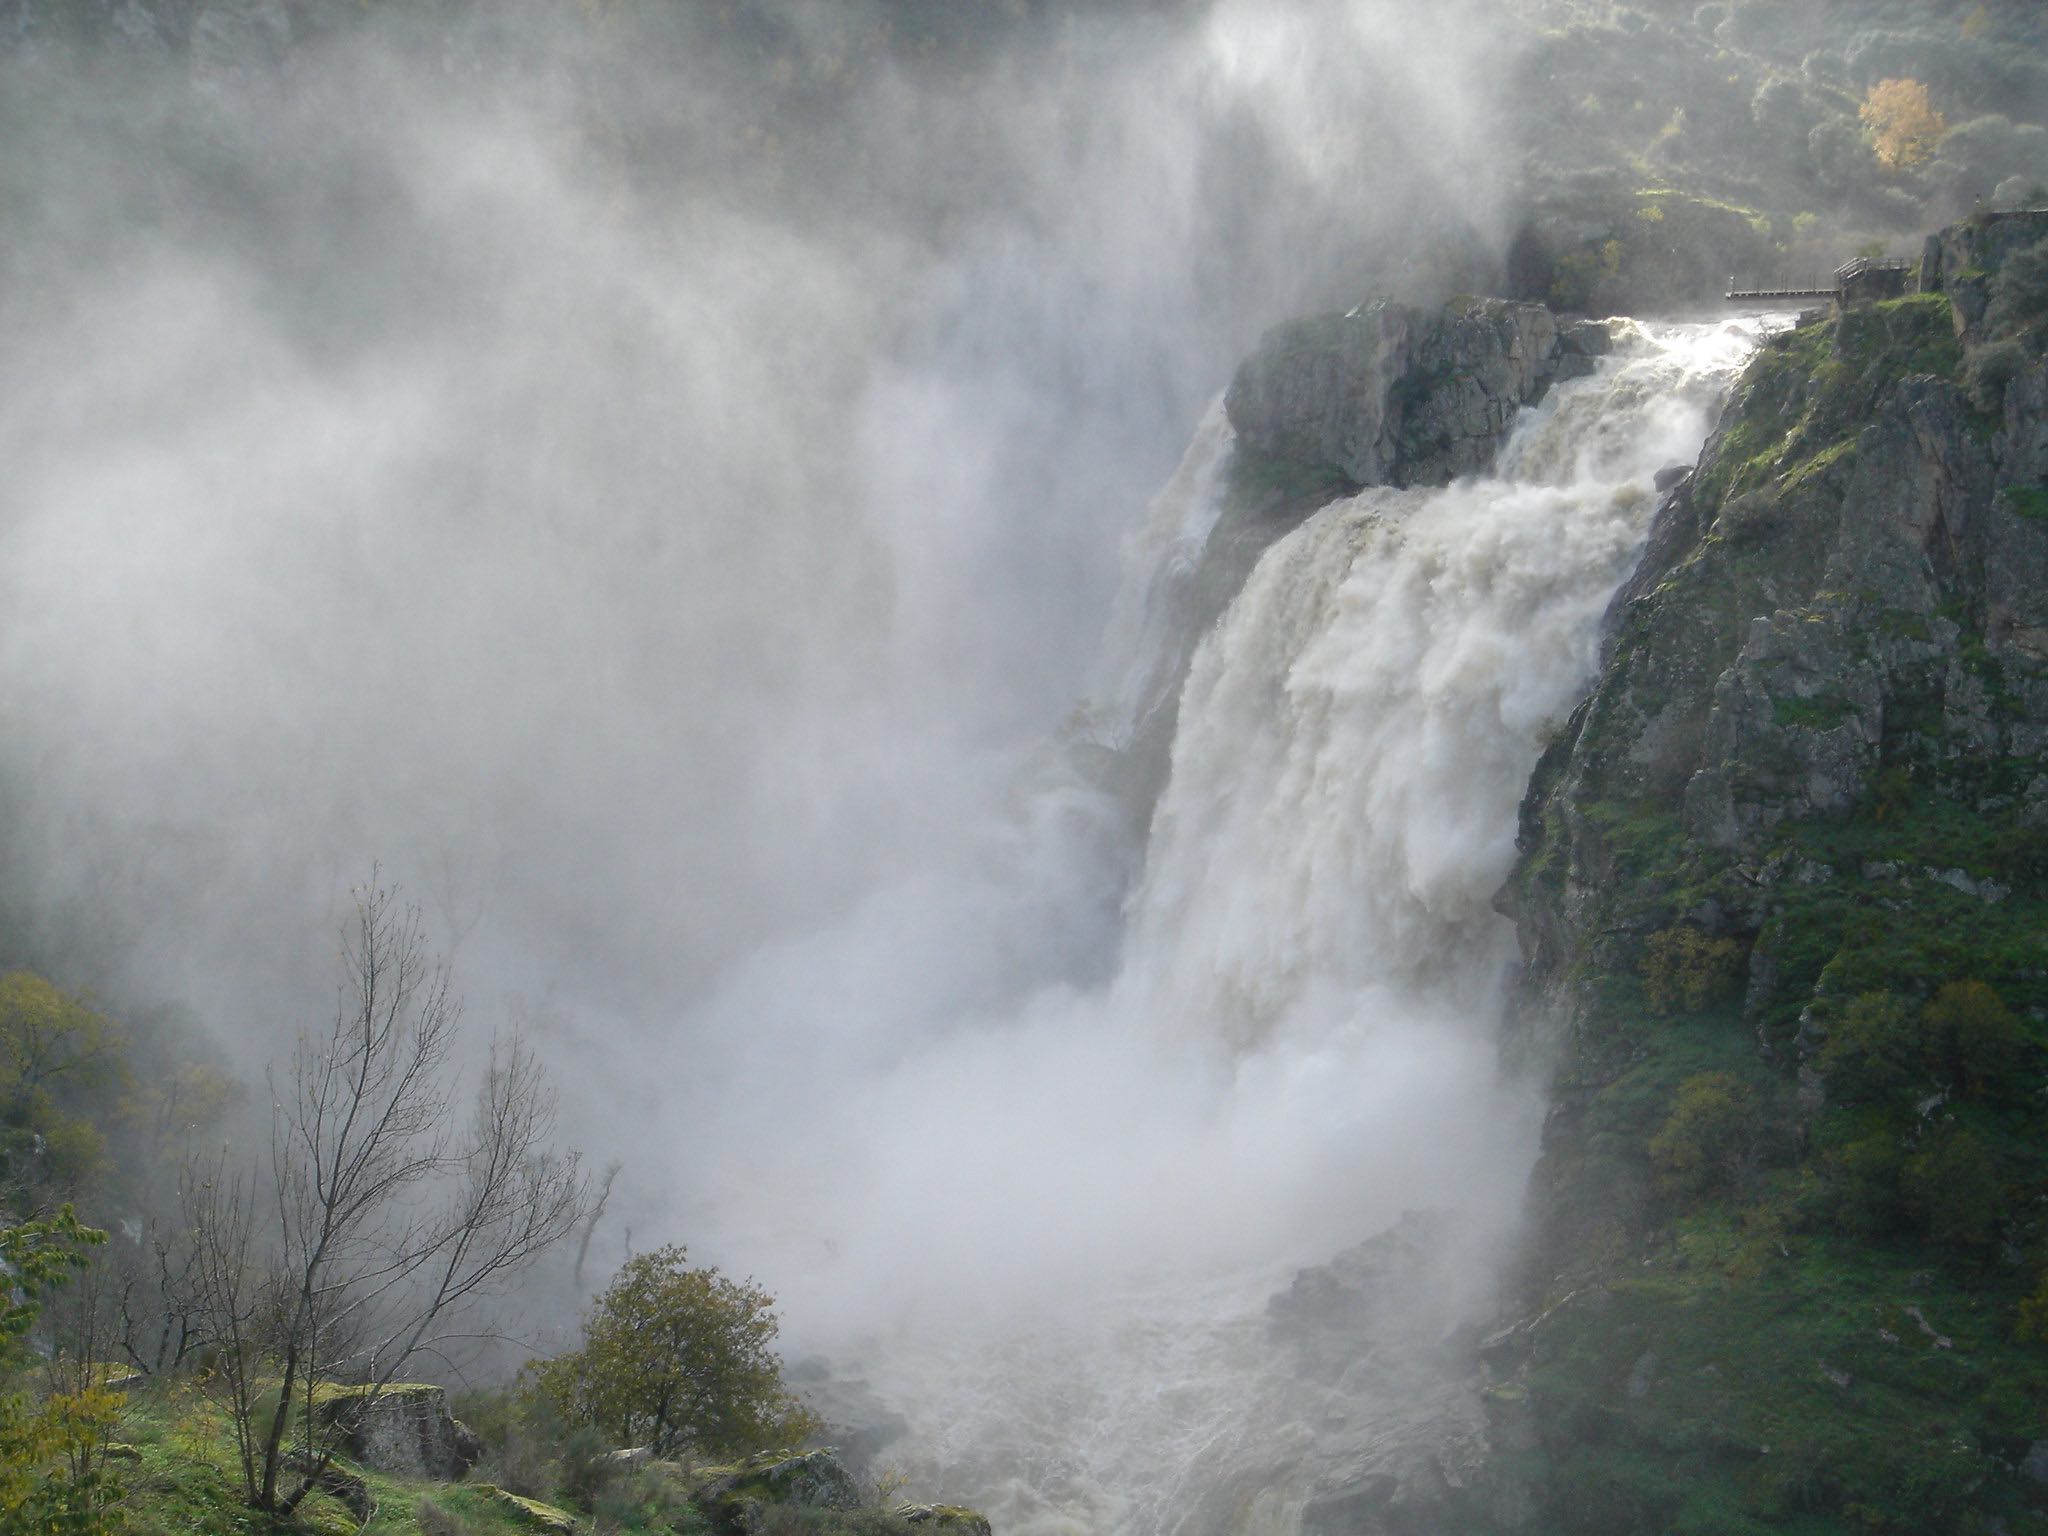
531, 1513
337, 1391
734, 1496
954, 1518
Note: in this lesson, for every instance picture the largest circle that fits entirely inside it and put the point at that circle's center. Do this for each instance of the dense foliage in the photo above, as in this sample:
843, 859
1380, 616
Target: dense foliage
677, 1359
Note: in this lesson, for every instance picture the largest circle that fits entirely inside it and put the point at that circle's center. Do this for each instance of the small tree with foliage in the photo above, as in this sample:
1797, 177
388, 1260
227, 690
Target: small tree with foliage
54, 1051
1952, 1187
679, 1360
1712, 1137
1903, 126
1685, 968
1876, 1051
52, 1474
1975, 1037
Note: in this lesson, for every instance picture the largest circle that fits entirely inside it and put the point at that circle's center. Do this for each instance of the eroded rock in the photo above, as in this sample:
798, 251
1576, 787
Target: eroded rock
404, 1429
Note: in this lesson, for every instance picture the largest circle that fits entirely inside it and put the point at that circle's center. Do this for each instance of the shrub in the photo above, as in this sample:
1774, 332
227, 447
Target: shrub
2030, 1323
1988, 370
1953, 1190
2019, 294
1711, 1139
588, 1471
679, 1360
1863, 1181
1684, 968
1974, 1036
434, 1520
1876, 1052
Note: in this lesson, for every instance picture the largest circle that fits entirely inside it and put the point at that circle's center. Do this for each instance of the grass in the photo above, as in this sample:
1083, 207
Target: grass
183, 1478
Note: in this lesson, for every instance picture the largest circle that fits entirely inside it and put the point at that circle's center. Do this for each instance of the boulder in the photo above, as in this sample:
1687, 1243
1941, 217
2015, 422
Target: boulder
1963, 259
737, 1497
1386, 394
404, 1429
944, 1517
338, 1483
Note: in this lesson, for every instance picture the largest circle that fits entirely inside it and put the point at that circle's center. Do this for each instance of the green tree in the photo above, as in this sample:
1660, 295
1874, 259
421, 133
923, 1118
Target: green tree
1974, 1035
678, 1360
58, 1057
52, 1478
1863, 1184
1952, 1187
1712, 1136
1876, 1052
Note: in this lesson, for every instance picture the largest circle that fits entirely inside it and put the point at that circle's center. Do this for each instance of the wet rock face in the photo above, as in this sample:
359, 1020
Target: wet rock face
1390, 395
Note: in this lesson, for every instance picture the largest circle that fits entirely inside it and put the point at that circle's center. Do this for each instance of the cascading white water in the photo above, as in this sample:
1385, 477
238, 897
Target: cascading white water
1355, 736
1053, 1212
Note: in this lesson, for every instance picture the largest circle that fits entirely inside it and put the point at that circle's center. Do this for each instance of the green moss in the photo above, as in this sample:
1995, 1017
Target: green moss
1822, 713
335, 1391
2029, 501
1814, 463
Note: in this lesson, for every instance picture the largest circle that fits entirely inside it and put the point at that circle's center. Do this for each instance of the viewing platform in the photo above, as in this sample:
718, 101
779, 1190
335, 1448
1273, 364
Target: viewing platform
1865, 280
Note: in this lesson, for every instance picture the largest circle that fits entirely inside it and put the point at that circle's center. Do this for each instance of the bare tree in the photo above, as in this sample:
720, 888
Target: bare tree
225, 1296
388, 1221
596, 1214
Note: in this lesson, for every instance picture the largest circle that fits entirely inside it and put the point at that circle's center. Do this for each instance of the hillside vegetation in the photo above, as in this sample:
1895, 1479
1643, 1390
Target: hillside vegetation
1782, 897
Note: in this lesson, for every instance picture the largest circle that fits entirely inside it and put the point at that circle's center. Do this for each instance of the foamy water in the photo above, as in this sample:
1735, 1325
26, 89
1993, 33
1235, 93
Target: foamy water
1051, 1213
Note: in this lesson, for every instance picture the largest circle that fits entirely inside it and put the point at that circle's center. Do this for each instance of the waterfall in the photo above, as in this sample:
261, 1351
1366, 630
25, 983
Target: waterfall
1043, 1206
1356, 734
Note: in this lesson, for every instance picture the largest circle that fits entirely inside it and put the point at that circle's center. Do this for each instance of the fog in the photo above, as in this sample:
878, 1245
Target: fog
655, 481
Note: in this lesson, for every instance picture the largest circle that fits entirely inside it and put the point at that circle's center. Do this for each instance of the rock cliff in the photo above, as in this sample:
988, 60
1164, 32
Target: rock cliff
1387, 394
1783, 902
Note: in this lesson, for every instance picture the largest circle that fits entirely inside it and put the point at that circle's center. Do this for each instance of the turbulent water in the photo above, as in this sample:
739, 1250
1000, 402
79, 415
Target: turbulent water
1295, 1042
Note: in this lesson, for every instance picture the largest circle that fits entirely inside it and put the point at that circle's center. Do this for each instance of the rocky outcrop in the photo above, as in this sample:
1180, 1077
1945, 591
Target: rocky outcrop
404, 1429
1390, 395
1382, 395
1803, 802
1798, 608
950, 1518
737, 1498
1962, 259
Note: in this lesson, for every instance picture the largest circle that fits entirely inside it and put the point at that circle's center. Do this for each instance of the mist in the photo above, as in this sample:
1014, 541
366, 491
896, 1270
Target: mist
655, 481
